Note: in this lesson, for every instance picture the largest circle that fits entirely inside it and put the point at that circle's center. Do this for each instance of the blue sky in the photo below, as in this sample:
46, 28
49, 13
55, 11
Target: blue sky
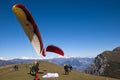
83, 28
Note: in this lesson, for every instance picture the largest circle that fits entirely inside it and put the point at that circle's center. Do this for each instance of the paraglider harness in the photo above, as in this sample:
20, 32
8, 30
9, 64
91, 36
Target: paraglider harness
33, 70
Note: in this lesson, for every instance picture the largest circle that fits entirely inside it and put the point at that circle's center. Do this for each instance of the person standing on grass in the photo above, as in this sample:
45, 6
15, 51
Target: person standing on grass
66, 69
15, 68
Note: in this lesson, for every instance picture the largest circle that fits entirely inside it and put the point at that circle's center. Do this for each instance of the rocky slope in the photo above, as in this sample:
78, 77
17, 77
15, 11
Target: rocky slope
106, 64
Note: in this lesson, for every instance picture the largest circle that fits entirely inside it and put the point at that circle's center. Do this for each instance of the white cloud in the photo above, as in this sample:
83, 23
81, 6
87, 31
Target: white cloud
3, 58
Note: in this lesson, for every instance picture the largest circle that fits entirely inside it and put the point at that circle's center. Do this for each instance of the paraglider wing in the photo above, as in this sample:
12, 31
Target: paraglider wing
55, 49
43, 52
29, 26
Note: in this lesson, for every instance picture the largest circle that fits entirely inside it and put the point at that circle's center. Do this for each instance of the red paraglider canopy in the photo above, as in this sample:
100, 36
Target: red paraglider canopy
52, 48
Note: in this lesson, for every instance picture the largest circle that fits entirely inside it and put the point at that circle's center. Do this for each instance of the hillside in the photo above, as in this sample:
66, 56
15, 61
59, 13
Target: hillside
7, 73
106, 64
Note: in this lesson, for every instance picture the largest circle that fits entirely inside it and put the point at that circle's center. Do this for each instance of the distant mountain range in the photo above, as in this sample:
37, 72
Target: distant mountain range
14, 61
77, 63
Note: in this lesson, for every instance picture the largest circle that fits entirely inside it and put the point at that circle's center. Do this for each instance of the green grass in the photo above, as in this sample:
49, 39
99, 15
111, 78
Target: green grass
7, 73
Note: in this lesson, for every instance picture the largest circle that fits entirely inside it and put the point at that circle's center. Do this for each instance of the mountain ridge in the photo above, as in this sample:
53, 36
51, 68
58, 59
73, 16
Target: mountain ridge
106, 64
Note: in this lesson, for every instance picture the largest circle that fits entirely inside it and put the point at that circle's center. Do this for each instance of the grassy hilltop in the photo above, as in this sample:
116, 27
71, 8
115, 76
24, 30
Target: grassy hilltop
7, 73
